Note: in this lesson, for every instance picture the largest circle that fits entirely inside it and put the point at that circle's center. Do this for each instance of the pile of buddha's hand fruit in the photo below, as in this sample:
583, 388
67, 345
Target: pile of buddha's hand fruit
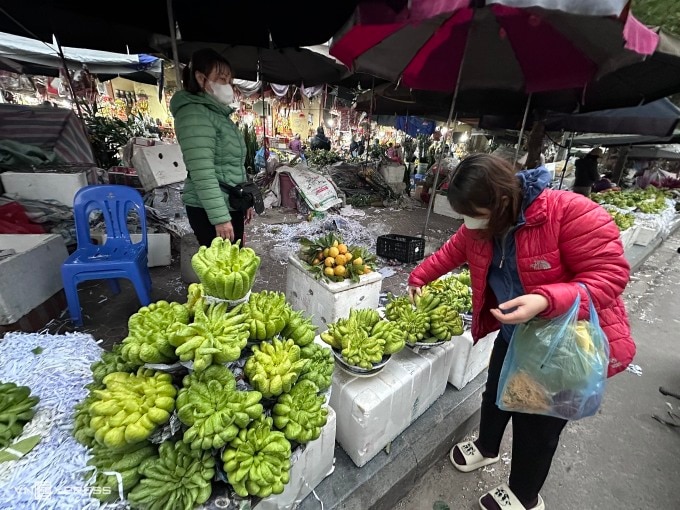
364, 338
251, 393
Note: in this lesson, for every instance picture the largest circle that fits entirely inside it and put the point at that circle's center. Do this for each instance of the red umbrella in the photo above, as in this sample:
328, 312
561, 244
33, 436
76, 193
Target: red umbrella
530, 45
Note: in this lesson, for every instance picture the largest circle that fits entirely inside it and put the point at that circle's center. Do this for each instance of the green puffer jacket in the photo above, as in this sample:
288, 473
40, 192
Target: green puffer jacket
213, 150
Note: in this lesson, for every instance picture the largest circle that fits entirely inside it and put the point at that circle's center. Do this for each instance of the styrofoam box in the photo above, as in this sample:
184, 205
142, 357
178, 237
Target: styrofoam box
159, 246
44, 186
159, 165
30, 277
392, 173
469, 360
325, 301
629, 236
307, 471
645, 236
373, 411
443, 207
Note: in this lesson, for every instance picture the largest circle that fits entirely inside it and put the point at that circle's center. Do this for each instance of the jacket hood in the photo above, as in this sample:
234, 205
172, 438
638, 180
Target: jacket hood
183, 98
533, 183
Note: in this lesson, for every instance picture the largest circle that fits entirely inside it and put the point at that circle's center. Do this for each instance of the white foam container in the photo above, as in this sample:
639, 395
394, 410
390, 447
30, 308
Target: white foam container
325, 301
469, 360
30, 277
159, 165
44, 186
443, 207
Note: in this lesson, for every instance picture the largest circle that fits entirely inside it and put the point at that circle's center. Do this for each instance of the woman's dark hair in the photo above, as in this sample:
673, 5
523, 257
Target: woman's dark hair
203, 61
483, 181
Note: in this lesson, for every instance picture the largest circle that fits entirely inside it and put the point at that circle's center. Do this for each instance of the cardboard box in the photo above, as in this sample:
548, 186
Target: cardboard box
160, 253
44, 186
325, 301
469, 360
373, 411
159, 165
442, 206
36, 268
309, 468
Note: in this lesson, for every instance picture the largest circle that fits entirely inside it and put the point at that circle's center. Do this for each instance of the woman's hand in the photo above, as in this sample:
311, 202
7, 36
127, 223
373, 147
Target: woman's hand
413, 291
250, 214
526, 307
225, 231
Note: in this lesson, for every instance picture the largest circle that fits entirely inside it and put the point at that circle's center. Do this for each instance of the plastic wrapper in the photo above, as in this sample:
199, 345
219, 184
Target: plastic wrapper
555, 367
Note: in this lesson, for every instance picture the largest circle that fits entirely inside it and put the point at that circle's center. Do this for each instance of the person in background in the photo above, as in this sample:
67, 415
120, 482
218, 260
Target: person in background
213, 148
525, 246
586, 173
392, 153
605, 184
354, 147
295, 145
320, 141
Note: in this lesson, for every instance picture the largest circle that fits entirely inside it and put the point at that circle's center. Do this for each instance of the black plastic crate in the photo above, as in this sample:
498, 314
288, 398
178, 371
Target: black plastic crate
402, 248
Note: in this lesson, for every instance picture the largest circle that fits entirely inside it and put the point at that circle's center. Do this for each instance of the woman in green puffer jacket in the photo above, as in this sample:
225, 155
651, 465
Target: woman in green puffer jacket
212, 146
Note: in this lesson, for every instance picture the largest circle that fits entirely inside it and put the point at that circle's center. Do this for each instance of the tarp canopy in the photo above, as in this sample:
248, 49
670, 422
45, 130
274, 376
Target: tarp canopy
30, 56
591, 140
56, 130
651, 152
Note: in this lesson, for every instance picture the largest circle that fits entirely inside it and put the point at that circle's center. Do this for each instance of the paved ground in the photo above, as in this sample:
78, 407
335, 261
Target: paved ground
105, 315
620, 459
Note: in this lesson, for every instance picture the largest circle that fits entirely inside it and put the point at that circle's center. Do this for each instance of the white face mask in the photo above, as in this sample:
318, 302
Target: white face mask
475, 223
224, 93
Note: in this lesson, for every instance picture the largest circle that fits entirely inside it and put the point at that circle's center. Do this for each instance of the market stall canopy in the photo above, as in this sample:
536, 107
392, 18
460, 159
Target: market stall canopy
131, 23
30, 56
659, 118
310, 65
592, 140
651, 152
53, 130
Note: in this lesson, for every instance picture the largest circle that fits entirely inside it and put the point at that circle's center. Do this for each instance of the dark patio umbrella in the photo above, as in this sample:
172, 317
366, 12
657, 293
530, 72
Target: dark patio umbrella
131, 23
309, 66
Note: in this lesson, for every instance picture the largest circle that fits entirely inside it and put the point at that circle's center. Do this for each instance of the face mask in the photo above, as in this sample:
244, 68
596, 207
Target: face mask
475, 223
224, 93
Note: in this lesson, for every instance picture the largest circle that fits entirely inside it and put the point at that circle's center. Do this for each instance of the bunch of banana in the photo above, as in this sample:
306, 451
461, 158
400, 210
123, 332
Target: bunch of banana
16, 409
445, 322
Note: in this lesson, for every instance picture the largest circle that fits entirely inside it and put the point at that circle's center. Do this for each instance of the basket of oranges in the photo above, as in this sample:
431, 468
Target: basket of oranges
328, 257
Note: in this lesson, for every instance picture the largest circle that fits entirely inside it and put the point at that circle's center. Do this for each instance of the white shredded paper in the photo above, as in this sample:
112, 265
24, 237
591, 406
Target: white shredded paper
53, 474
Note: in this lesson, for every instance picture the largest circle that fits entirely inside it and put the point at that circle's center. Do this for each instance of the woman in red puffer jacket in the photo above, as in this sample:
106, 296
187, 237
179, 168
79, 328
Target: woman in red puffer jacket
528, 248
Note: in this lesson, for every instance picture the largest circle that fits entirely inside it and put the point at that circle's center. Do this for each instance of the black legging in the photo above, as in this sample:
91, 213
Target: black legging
205, 231
534, 437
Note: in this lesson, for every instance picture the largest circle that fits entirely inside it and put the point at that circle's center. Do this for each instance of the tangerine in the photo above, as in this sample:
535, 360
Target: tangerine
340, 270
358, 261
342, 248
333, 252
329, 271
340, 260
329, 262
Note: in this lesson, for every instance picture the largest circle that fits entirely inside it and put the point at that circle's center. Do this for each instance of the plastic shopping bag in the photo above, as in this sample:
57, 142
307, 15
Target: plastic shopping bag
555, 367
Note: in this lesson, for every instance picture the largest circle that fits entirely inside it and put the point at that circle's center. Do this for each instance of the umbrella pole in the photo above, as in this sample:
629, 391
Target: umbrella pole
370, 118
448, 124
521, 132
173, 39
566, 161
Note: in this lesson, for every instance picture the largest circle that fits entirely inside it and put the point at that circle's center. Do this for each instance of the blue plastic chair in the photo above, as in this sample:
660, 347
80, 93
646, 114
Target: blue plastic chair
118, 257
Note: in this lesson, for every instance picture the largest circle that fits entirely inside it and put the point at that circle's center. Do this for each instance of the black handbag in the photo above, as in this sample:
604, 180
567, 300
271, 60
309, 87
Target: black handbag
243, 196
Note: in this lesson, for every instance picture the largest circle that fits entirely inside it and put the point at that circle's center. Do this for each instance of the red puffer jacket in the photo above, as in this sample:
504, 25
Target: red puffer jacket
567, 239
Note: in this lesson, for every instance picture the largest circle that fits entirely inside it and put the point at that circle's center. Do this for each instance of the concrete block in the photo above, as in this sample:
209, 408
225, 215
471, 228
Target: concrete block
30, 277
159, 165
442, 206
309, 467
327, 302
160, 253
469, 360
373, 411
44, 186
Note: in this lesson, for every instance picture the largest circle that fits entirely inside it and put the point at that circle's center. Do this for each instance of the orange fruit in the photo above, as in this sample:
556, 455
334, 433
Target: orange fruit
316, 261
348, 256
329, 262
335, 243
358, 261
367, 270
340, 260
329, 271
333, 252
342, 248
340, 270
319, 254
325, 252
